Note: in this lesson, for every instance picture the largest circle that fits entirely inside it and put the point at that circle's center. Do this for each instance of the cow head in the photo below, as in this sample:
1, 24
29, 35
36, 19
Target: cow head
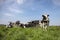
45, 17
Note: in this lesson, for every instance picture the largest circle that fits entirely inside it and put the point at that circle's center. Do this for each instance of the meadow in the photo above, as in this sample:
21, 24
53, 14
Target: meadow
32, 33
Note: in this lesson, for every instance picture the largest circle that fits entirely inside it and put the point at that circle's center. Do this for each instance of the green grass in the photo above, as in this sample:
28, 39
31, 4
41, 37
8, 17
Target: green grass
34, 33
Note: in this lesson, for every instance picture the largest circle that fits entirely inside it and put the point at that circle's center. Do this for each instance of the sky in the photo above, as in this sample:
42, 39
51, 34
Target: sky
28, 10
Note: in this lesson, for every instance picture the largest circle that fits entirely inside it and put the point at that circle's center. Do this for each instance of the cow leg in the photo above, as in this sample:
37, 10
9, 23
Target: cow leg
24, 26
43, 25
46, 27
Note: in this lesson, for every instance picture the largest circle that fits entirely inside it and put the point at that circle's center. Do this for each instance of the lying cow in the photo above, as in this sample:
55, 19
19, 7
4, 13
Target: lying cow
9, 25
22, 25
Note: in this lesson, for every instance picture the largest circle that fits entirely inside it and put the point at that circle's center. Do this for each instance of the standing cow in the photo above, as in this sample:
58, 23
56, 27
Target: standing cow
44, 23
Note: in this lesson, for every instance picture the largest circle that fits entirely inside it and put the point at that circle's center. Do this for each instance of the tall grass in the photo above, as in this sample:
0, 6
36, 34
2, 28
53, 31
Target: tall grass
34, 33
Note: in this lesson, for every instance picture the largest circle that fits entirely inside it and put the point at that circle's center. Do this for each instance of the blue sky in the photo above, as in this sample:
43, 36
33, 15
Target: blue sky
27, 10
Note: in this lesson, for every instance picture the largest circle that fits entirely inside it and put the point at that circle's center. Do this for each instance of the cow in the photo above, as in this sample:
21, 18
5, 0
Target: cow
44, 23
32, 23
22, 25
10, 25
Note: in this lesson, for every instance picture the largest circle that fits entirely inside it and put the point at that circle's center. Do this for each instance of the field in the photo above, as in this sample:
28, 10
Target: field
34, 33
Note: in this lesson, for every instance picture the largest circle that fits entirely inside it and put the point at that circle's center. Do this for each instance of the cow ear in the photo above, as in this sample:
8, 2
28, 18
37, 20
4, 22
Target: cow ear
48, 15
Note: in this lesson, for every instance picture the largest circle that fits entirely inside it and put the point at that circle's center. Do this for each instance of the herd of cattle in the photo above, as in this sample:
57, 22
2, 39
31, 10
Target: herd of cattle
18, 24
44, 23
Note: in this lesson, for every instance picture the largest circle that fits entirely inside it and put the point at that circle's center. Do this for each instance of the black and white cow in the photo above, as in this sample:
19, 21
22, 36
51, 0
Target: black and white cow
10, 25
44, 23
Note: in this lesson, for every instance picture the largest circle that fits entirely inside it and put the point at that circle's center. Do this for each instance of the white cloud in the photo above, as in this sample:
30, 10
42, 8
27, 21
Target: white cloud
14, 10
20, 1
9, 14
56, 2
